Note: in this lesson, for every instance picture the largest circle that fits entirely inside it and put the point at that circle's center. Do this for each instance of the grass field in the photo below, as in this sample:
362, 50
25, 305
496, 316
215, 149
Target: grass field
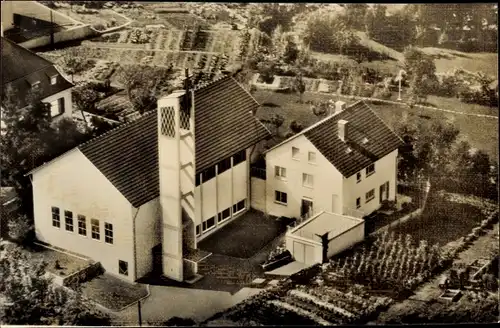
481, 133
447, 60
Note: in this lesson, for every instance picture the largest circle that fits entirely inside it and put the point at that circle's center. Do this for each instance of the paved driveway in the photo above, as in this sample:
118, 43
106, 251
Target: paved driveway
245, 236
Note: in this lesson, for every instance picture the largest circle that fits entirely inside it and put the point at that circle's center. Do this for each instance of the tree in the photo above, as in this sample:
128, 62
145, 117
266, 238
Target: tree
20, 228
85, 98
30, 298
321, 109
299, 86
291, 52
267, 70
179, 322
296, 126
352, 15
329, 34
422, 72
144, 84
277, 120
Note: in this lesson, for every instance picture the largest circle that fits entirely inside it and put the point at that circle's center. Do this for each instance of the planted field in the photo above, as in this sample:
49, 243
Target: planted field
447, 60
182, 21
104, 18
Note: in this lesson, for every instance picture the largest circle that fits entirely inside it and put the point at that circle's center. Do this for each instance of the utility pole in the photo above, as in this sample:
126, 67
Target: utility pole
139, 312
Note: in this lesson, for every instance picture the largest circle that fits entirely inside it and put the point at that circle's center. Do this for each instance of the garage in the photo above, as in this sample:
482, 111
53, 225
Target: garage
323, 236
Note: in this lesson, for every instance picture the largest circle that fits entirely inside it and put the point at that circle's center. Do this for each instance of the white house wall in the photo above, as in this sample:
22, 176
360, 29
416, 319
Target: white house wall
346, 240
327, 180
219, 193
385, 170
148, 227
73, 183
68, 102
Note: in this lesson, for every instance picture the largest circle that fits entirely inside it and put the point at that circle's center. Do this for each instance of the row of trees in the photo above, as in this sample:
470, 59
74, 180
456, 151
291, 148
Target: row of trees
29, 296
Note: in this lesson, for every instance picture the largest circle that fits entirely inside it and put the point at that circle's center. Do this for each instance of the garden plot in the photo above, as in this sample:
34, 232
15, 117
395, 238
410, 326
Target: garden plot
182, 21
100, 19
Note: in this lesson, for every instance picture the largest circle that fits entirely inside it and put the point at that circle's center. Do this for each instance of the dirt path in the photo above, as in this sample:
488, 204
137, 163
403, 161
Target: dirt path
430, 290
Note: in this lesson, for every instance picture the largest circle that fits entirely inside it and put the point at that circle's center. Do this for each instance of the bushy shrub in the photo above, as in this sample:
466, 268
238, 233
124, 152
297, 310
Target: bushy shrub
382, 93
20, 229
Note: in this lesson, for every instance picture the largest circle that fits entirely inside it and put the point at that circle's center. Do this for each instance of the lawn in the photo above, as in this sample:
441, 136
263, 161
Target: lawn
67, 264
443, 220
447, 60
480, 132
113, 293
243, 237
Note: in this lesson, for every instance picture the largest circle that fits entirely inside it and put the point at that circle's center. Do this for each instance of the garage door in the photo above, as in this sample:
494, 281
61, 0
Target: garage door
303, 253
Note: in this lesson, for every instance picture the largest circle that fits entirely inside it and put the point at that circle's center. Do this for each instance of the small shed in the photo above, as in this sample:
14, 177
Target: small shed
323, 236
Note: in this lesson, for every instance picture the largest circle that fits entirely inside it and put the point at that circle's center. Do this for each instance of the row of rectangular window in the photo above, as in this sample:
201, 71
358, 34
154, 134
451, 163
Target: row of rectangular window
222, 216
222, 166
311, 156
368, 171
370, 195
82, 225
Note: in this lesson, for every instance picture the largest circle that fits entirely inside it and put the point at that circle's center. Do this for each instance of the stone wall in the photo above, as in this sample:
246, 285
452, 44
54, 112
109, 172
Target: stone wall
89, 272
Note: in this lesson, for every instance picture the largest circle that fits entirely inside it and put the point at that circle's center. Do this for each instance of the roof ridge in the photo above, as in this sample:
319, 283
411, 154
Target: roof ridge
206, 84
313, 126
120, 126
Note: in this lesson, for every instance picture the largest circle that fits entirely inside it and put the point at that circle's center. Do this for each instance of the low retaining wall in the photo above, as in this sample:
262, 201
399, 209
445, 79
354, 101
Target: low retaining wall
75, 33
89, 272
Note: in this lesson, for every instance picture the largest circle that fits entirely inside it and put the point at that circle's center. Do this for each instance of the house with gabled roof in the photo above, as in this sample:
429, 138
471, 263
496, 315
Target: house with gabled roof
24, 72
346, 164
139, 197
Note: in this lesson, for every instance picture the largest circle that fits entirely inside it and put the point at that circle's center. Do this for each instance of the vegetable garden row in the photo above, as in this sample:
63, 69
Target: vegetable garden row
212, 63
167, 39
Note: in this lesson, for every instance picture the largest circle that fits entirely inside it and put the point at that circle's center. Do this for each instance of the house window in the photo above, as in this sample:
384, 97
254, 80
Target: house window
280, 197
280, 172
56, 218
82, 225
123, 267
198, 229
53, 80
307, 180
208, 223
238, 207
311, 157
35, 85
358, 177
208, 174
224, 214
224, 165
369, 195
57, 107
239, 157
295, 152
68, 218
370, 170
108, 232
94, 223
358, 202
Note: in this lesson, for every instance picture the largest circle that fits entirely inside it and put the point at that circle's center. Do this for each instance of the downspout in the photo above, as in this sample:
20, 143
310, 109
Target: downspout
250, 177
135, 243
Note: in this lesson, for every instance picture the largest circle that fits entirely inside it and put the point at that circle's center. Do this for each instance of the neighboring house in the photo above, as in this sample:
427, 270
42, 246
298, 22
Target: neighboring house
24, 72
156, 185
346, 164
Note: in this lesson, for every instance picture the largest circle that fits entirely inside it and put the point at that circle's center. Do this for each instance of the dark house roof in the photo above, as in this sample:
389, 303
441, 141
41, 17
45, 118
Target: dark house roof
352, 155
363, 122
128, 155
224, 122
22, 67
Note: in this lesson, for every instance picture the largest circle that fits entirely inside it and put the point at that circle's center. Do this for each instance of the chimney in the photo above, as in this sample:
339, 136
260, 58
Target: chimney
343, 129
339, 106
